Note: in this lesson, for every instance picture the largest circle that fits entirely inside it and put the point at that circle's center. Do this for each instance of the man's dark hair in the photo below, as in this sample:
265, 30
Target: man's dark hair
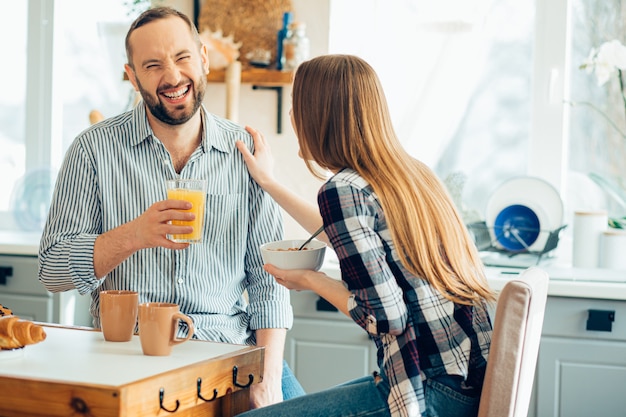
151, 15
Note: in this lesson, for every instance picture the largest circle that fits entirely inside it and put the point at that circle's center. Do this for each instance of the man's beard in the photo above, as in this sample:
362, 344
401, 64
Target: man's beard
159, 111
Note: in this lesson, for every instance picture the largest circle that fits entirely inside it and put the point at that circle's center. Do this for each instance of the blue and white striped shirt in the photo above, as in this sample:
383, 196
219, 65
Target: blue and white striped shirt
112, 173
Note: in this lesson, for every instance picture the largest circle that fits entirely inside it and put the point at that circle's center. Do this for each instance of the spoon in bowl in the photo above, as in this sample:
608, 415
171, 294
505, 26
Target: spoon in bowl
317, 232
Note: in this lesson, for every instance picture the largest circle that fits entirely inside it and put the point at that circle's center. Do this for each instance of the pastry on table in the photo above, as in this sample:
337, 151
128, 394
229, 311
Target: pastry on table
5, 311
16, 333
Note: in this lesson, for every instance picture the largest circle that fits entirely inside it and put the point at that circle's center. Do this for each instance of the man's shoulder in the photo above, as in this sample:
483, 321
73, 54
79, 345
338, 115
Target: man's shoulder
125, 129
121, 123
222, 125
223, 133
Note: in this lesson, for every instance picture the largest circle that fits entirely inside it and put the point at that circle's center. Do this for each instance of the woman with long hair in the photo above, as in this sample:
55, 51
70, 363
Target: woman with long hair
410, 274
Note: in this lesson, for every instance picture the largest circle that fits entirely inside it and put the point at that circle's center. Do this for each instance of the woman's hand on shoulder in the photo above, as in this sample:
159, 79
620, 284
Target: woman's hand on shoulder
261, 163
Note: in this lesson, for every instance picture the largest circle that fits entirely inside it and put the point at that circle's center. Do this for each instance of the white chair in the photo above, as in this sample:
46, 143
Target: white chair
515, 346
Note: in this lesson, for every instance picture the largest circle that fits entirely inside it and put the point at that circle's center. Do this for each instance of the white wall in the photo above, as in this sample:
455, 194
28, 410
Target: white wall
258, 109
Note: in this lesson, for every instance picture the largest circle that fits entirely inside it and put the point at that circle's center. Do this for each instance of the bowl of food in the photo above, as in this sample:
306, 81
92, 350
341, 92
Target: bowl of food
284, 254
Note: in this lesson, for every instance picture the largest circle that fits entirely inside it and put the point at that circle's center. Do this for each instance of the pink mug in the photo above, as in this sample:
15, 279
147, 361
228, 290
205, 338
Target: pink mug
118, 314
158, 325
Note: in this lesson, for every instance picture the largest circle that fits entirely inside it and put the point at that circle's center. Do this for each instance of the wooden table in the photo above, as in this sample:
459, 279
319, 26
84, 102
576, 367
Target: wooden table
75, 372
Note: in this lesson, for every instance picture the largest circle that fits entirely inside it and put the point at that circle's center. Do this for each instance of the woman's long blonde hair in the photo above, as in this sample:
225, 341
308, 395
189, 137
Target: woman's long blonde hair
342, 121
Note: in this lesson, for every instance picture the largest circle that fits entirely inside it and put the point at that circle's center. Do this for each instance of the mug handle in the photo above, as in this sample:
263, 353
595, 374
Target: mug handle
186, 319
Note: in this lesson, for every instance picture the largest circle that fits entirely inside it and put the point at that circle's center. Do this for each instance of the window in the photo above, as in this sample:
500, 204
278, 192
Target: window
597, 146
477, 92
458, 78
12, 101
62, 65
92, 58
471, 89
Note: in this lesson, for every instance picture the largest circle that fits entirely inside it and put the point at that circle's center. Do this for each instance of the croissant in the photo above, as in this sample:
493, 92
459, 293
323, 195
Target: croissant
5, 311
16, 333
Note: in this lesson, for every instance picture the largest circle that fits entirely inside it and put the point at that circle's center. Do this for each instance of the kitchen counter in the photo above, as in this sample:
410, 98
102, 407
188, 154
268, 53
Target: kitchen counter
595, 283
565, 281
19, 243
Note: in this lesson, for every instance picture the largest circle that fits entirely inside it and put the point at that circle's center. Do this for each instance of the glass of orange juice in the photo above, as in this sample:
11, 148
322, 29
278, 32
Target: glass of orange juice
193, 191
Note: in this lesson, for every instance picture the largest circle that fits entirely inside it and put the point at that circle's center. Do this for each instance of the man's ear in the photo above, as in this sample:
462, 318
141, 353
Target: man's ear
130, 73
204, 55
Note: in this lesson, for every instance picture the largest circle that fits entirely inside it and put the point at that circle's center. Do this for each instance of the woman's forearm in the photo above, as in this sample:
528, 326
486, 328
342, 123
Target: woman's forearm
332, 290
305, 213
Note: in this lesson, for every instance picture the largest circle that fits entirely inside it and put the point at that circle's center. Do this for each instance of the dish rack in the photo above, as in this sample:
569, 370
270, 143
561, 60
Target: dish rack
482, 235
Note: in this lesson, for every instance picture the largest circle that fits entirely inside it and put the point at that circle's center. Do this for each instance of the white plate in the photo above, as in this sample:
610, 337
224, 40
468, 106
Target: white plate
534, 193
11, 353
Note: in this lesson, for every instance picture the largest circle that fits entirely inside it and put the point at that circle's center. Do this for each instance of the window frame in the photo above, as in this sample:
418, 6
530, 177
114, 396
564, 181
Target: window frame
548, 152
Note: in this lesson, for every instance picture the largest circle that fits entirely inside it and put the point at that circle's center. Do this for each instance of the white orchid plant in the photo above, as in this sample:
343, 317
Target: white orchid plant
605, 62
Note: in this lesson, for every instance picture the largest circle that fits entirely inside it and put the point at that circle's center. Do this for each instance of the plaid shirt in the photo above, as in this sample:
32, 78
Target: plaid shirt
419, 333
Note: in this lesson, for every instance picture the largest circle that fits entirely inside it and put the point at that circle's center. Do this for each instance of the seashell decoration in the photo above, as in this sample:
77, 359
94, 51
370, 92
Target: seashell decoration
222, 50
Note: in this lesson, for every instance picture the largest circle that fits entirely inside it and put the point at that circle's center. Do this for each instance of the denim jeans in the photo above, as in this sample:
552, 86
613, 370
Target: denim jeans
445, 397
291, 386
361, 397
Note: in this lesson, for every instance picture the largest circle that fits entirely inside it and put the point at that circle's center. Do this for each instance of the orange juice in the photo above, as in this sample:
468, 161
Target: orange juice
197, 199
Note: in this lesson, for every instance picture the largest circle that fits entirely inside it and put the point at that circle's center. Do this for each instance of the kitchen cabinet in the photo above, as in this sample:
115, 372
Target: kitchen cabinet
21, 291
581, 370
325, 348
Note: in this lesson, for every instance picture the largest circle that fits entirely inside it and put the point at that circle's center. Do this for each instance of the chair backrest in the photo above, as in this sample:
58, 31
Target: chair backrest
515, 346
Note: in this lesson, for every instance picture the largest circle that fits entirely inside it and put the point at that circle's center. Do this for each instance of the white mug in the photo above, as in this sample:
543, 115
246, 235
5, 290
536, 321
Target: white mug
613, 249
588, 227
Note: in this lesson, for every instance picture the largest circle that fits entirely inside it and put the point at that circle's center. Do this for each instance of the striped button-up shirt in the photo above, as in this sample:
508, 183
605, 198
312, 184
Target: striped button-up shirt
112, 173
419, 333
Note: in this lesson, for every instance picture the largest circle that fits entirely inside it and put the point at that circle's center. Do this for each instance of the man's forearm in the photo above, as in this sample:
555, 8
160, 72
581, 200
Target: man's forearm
111, 249
269, 391
274, 342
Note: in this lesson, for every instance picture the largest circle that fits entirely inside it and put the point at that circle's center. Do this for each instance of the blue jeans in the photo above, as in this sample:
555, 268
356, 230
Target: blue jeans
445, 397
291, 386
363, 397
360, 397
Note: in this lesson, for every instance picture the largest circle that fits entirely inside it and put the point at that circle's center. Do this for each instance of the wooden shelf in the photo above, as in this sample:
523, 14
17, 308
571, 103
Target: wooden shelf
256, 76
261, 79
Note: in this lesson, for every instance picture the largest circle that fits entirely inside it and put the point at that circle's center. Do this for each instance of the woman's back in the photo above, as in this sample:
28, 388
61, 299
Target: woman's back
419, 332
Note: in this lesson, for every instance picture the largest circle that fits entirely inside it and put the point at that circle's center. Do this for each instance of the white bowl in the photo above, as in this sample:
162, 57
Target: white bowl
278, 254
